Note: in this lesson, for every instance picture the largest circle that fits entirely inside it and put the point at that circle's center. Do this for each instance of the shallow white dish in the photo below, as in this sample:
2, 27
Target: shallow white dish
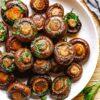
88, 32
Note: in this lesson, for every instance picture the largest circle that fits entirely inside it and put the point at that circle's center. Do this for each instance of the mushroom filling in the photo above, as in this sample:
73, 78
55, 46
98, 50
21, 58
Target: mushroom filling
15, 45
3, 78
79, 49
56, 11
72, 23
39, 4
59, 85
26, 28
64, 51
14, 13
54, 25
74, 70
40, 85
26, 57
7, 62
42, 45
18, 96
2, 32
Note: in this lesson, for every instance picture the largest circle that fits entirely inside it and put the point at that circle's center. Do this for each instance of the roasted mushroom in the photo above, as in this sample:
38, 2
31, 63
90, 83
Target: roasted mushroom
25, 30
19, 91
55, 10
74, 71
82, 50
74, 23
3, 32
39, 6
55, 27
39, 21
5, 79
55, 67
23, 59
42, 47
41, 66
12, 44
13, 10
64, 53
7, 62
61, 87
40, 85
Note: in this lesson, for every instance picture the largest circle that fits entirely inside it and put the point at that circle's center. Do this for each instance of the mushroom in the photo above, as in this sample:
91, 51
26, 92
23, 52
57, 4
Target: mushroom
60, 87
55, 27
25, 30
42, 47
55, 10
40, 85
81, 48
19, 91
41, 66
74, 71
23, 59
39, 6
64, 53
13, 11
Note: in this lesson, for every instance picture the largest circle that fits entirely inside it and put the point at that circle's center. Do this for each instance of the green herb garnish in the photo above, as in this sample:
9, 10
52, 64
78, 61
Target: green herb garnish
44, 98
38, 48
27, 54
19, 1
35, 34
71, 15
3, 4
33, 26
20, 60
90, 92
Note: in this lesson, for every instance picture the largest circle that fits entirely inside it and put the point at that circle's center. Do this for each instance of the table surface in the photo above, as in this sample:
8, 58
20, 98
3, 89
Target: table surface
96, 77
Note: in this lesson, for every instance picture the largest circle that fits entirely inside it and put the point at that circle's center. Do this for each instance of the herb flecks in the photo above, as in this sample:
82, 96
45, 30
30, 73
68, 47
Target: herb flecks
71, 15
20, 60
39, 45
27, 54
90, 92
3, 4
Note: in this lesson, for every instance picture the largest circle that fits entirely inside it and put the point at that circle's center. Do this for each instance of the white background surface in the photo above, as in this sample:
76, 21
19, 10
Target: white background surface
88, 32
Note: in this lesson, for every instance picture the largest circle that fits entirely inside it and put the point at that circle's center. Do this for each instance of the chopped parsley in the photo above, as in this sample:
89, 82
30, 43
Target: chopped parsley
20, 60
44, 98
71, 15
27, 54
3, 4
33, 26
35, 34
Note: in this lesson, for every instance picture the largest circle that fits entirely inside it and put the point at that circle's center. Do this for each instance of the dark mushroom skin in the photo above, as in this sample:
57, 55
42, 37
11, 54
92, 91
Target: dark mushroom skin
40, 85
55, 10
64, 53
74, 23
13, 44
7, 62
25, 30
19, 91
39, 21
74, 71
55, 27
39, 6
42, 47
23, 59
61, 86
13, 11
42, 66
6, 79
3, 32
55, 67
82, 50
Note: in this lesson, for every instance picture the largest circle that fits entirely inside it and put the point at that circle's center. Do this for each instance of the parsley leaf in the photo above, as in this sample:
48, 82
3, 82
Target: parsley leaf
44, 98
3, 4
20, 60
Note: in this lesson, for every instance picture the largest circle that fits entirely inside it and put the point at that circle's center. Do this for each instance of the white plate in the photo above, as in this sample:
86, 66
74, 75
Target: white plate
89, 33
